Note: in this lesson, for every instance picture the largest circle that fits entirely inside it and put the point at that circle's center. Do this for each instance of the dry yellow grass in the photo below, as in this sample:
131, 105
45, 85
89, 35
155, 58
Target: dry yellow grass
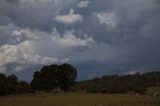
79, 99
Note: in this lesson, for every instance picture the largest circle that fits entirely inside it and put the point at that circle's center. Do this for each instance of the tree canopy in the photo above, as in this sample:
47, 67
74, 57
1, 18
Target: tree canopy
53, 77
11, 85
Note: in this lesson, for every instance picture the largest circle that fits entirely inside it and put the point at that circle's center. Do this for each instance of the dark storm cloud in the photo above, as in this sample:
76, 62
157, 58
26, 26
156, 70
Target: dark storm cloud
104, 37
12, 1
136, 34
131, 16
35, 14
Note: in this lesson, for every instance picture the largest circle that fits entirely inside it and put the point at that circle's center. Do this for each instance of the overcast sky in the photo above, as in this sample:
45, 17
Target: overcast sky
98, 37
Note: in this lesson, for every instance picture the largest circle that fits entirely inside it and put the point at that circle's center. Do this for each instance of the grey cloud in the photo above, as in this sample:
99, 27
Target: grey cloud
34, 14
30, 46
13, 1
131, 45
83, 3
69, 18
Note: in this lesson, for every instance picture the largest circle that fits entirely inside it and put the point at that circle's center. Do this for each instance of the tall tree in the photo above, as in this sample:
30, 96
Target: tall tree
13, 82
13, 79
35, 82
3, 84
54, 76
67, 75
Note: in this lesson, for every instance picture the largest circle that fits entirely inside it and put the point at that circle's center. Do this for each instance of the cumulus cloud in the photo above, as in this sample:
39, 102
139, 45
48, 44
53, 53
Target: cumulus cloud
30, 46
22, 54
70, 40
12, 35
17, 33
69, 18
107, 18
83, 3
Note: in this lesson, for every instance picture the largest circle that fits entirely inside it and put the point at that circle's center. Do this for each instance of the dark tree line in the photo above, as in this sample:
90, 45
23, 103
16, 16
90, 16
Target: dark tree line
137, 83
48, 78
11, 85
63, 77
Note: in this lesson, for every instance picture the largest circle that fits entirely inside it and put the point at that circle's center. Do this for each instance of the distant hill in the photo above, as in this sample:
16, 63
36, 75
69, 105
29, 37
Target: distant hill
137, 83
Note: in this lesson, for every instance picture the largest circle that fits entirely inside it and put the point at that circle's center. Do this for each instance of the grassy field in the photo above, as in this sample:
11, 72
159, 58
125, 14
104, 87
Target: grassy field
79, 99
